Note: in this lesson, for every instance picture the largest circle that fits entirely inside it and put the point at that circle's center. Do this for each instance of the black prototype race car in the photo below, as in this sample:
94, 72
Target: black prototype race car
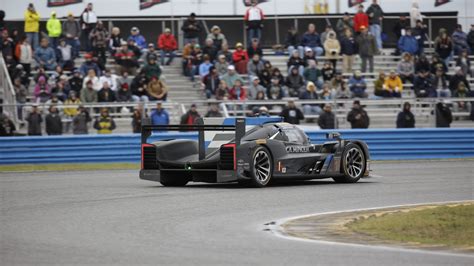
266, 152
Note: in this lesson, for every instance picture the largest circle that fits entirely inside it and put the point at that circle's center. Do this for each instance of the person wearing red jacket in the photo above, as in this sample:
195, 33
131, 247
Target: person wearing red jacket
238, 92
360, 19
240, 58
167, 44
253, 20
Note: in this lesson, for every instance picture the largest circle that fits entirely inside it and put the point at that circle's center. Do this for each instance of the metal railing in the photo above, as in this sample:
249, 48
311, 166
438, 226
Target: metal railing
9, 95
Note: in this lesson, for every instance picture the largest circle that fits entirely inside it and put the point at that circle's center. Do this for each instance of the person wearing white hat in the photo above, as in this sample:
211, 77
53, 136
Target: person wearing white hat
231, 76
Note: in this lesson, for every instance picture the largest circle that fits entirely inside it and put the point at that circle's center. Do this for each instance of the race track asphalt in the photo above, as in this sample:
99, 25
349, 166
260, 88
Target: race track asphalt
112, 217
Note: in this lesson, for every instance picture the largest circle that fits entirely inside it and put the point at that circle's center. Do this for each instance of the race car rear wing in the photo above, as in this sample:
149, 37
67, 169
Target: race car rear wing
201, 128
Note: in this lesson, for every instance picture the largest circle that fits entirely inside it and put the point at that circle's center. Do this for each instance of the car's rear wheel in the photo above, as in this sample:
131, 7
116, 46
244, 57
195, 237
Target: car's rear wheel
354, 164
262, 167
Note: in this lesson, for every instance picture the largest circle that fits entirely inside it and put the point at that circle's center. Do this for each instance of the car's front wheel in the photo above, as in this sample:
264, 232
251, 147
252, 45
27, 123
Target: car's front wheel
262, 167
354, 164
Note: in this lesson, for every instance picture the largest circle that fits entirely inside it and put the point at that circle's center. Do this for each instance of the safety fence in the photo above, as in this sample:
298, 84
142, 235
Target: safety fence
384, 144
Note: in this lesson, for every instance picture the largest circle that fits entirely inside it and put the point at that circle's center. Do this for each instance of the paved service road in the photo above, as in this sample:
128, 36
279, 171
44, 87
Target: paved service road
113, 217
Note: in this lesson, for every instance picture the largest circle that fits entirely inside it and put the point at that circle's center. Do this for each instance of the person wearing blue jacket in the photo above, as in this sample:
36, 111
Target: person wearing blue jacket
45, 55
312, 40
408, 43
357, 85
139, 40
160, 116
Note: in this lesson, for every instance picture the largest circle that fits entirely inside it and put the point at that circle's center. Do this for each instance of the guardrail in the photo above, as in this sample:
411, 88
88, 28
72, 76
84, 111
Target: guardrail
392, 144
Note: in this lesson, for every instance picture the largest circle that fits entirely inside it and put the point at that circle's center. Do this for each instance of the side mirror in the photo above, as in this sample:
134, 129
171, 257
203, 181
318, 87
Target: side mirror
333, 135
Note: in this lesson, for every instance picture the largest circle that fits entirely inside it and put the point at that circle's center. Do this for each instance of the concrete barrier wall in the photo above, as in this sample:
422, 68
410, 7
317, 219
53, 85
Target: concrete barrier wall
389, 144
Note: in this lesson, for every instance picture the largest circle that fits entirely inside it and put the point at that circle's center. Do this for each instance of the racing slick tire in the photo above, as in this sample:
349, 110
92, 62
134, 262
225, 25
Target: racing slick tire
353, 164
261, 167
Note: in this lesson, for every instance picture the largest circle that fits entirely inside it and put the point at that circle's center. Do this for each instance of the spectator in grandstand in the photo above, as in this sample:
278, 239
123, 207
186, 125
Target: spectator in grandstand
137, 118
190, 117
340, 86
440, 84
151, 51
459, 38
88, 65
106, 95
294, 82
291, 114
461, 91
470, 38
222, 91
420, 33
168, 45
45, 55
195, 60
232, 76
76, 81
310, 94
253, 22
20, 96
24, 54
276, 91
126, 59
324, 35
399, 29
137, 38
328, 71
70, 112
379, 86
261, 96
104, 124
210, 50
218, 38
293, 42
308, 56
344, 23
405, 118
34, 120
296, 62
255, 88
32, 18
213, 111
159, 116
124, 92
53, 26
54, 125
424, 85
238, 92
254, 48
99, 37
110, 78
464, 62
443, 114
71, 29
42, 91
415, 14
88, 94
406, 68
255, 66
61, 89
191, 29
205, 66
157, 90
124, 79
268, 66
422, 64
88, 22
375, 14
65, 55
7, 127
408, 43
456, 79
265, 78
152, 69
91, 76
211, 82
327, 119
444, 46
139, 88
240, 59
312, 40
358, 116
348, 50
115, 41
393, 85
226, 52
80, 121
326, 93
313, 74
361, 20
132, 46
221, 65
357, 85
367, 49
7, 47
437, 63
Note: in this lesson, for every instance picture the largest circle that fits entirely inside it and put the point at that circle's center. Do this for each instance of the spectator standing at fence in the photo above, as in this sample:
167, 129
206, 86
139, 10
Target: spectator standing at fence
80, 121
240, 59
213, 111
327, 118
312, 40
345, 23
99, 37
375, 14
167, 45
253, 21
405, 118
190, 117
218, 38
191, 29
137, 118
88, 22
53, 26
54, 125
444, 46
393, 85
159, 116
358, 117
71, 29
127, 60
348, 50
408, 43
406, 68
293, 42
415, 14
34, 120
32, 18
361, 20
45, 55
291, 114
357, 85
70, 112
24, 53
104, 124
367, 49
7, 127
420, 33
88, 94
444, 117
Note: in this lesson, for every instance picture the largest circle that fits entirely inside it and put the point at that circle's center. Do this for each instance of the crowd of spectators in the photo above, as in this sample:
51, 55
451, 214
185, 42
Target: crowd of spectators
240, 74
